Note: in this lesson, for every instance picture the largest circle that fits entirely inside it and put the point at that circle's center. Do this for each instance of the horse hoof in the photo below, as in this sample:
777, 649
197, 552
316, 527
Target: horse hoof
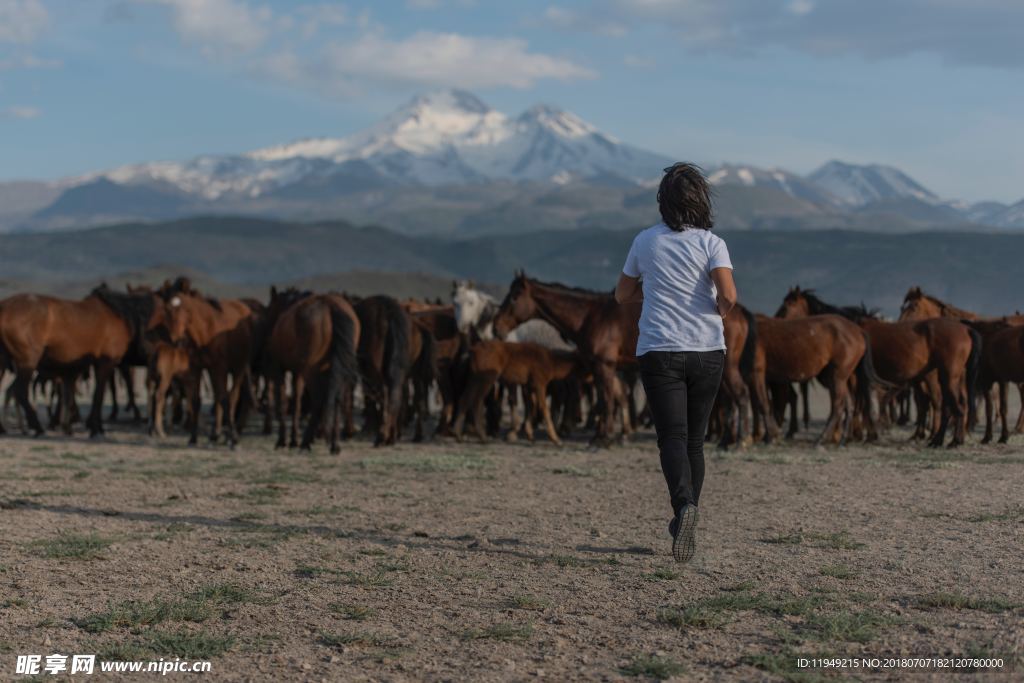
279, 445
335, 450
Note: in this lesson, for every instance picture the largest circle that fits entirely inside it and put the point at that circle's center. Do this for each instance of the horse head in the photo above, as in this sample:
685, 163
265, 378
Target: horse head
517, 307
794, 305
917, 306
473, 308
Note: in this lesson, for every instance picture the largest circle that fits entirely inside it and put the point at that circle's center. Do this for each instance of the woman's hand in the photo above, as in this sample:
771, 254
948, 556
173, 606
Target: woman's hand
722, 277
628, 290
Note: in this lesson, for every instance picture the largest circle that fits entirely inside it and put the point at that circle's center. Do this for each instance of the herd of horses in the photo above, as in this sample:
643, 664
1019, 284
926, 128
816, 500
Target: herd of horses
304, 359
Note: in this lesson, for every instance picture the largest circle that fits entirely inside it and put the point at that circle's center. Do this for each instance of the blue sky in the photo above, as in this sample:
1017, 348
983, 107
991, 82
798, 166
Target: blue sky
930, 86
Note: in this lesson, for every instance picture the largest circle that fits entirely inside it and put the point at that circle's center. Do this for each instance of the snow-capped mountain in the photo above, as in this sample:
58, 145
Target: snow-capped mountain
859, 185
775, 178
442, 138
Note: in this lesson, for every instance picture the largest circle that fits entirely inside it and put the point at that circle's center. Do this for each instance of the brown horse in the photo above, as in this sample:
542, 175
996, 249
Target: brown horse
449, 346
741, 348
315, 339
943, 353
918, 305
385, 359
67, 337
169, 363
517, 363
827, 347
604, 332
221, 330
1002, 362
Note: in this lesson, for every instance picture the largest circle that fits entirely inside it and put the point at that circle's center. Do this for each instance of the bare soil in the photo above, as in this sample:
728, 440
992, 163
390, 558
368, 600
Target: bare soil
445, 561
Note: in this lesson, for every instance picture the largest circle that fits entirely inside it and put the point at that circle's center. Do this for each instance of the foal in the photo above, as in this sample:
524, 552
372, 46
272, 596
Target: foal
527, 364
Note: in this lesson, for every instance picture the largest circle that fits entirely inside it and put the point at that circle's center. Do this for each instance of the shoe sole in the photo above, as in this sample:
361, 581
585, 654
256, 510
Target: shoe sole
684, 543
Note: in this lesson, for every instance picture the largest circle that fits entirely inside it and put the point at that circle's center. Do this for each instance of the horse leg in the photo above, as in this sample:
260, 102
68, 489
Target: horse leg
604, 374
793, 416
279, 402
22, 379
805, 391
113, 397
238, 381
837, 396
104, 371
1004, 409
67, 384
540, 399
298, 389
513, 414
1019, 428
128, 373
219, 384
987, 393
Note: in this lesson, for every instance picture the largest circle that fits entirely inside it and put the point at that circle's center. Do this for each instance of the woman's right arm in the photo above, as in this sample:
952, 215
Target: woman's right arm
722, 277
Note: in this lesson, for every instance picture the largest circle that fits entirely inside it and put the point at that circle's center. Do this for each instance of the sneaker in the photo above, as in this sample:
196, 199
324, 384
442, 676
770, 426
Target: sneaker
684, 534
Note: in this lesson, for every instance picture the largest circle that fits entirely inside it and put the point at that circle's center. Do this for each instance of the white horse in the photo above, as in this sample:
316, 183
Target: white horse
475, 310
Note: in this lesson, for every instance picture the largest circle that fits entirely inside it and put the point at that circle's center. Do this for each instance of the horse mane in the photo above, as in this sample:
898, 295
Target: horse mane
569, 289
944, 307
134, 309
854, 313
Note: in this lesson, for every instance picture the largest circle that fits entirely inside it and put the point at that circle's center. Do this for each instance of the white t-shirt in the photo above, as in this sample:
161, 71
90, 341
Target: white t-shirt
680, 312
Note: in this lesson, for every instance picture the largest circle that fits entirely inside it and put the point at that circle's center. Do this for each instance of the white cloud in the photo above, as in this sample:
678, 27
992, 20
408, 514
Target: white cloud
29, 62
972, 32
219, 27
21, 21
20, 112
446, 59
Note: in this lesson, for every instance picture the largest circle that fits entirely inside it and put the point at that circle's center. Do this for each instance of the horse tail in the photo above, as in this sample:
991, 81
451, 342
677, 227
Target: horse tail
396, 345
425, 366
866, 374
749, 352
973, 367
344, 364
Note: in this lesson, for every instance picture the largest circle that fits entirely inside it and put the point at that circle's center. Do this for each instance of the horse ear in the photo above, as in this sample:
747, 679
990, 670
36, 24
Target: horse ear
273, 292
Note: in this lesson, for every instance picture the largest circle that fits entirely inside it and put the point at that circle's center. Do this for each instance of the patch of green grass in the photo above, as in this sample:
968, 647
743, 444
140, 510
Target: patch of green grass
72, 546
68, 455
507, 632
1012, 514
650, 666
795, 538
529, 602
196, 607
663, 574
46, 622
188, 644
373, 551
81, 474
839, 571
13, 602
854, 627
253, 516
959, 601
565, 561
354, 612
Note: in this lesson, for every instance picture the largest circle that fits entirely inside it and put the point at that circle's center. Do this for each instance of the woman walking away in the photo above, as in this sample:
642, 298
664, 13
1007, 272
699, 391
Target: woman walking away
683, 275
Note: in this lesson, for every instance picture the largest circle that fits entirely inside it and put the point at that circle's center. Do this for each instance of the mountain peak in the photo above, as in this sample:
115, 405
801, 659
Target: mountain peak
449, 99
557, 121
860, 184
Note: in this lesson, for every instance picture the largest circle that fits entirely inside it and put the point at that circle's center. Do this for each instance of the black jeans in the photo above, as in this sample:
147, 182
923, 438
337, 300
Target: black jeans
681, 387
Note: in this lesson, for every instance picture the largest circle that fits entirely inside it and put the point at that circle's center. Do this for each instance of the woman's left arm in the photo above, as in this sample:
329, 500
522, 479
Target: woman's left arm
628, 290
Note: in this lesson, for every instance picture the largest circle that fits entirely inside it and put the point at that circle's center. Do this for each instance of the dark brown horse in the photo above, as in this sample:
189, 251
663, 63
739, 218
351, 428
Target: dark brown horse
943, 353
827, 347
917, 305
449, 347
1002, 362
315, 339
604, 332
221, 330
385, 359
67, 337
531, 366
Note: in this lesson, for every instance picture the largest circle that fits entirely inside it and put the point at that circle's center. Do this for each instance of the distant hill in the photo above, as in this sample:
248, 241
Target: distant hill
978, 271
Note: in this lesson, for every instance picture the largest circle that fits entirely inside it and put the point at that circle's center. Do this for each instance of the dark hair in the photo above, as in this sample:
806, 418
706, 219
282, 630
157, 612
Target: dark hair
684, 198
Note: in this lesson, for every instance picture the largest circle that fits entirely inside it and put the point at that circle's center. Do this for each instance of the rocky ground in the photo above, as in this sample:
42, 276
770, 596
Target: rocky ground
447, 561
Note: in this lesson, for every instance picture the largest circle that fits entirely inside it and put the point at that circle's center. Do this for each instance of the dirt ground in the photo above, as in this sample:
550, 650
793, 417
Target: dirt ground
447, 561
